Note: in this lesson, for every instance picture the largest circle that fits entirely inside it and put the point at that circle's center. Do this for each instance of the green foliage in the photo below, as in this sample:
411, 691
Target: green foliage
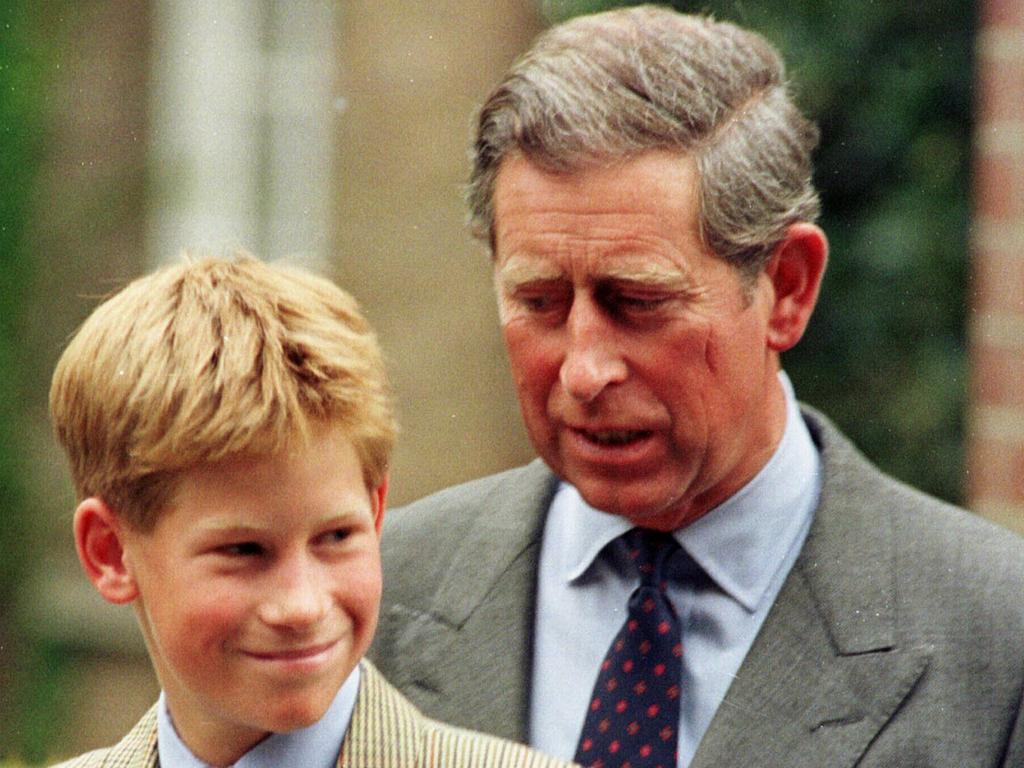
890, 86
25, 54
42, 704
19, 134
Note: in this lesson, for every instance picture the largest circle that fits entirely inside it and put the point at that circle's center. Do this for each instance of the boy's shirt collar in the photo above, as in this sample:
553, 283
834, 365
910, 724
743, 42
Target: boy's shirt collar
317, 746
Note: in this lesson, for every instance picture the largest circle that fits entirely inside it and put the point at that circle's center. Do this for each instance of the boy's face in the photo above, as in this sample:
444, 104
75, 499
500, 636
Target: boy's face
258, 592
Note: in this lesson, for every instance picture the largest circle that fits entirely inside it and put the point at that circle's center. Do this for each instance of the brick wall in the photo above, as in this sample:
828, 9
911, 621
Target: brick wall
995, 452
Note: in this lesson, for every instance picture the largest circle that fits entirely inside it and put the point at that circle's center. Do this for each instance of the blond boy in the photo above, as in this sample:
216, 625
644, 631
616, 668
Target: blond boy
229, 425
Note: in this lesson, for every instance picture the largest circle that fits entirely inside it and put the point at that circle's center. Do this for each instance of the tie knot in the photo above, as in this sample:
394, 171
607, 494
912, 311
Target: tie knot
650, 550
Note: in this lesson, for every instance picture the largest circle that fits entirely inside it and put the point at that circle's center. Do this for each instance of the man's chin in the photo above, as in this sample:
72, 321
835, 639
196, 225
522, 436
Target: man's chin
633, 501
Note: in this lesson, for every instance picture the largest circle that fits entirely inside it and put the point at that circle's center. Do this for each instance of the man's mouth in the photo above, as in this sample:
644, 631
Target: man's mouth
613, 437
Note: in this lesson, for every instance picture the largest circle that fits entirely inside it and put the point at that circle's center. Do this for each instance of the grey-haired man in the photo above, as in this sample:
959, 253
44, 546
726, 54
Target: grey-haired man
643, 179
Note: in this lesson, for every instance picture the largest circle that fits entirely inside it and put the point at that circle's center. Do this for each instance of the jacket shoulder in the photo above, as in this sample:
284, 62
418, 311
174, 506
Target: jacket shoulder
96, 758
389, 731
136, 750
451, 512
941, 552
934, 523
468, 495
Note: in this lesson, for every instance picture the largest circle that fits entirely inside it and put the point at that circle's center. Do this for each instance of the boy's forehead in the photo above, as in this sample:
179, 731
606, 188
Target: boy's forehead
321, 480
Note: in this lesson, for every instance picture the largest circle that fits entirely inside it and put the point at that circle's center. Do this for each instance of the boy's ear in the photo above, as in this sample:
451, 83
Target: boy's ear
795, 270
378, 497
99, 539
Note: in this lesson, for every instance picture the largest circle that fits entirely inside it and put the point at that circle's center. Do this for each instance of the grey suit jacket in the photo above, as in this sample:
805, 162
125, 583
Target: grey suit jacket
897, 639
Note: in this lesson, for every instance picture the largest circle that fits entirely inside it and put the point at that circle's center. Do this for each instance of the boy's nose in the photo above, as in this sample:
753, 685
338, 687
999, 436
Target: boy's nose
296, 600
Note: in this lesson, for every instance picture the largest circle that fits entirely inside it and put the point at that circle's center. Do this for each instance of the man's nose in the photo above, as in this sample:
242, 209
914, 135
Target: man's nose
593, 359
297, 596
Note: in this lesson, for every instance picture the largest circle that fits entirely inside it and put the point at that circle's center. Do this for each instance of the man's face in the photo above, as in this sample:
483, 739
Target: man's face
640, 359
258, 592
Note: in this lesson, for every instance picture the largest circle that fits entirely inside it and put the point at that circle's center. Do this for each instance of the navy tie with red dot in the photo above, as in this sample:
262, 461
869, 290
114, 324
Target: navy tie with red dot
633, 715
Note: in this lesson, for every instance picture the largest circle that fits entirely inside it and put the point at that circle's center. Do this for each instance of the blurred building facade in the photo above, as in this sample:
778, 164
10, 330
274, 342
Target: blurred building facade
332, 134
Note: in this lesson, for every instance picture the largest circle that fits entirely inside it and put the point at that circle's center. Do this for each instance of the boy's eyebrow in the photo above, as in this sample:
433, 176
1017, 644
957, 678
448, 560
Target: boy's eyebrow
231, 524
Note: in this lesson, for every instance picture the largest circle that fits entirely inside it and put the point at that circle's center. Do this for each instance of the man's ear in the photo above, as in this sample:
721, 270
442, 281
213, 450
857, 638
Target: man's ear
378, 497
99, 539
795, 270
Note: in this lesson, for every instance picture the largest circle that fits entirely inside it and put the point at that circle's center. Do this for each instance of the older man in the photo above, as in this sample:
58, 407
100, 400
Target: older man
699, 572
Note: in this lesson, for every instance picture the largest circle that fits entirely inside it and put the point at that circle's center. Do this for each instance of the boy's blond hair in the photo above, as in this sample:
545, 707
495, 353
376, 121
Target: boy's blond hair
211, 359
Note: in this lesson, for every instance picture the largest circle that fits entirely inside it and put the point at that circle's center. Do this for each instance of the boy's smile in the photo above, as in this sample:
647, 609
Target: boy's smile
257, 592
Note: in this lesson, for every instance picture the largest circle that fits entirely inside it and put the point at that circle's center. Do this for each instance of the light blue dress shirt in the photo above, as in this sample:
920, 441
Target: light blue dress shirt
733, 564
316, 746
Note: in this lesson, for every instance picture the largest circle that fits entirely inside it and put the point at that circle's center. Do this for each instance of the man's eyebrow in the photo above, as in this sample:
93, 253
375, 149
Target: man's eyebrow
648, 273
233, 525
517, 272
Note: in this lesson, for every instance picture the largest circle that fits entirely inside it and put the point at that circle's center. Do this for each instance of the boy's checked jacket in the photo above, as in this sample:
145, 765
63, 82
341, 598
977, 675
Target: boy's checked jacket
386, 731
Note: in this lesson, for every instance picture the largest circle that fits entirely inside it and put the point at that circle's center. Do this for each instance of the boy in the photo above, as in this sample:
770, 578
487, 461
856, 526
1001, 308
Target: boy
228, 425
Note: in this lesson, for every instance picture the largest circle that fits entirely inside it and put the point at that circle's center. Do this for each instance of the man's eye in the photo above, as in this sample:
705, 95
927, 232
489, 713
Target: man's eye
537, 302
538, 295
633, 303
640, 303
618, 300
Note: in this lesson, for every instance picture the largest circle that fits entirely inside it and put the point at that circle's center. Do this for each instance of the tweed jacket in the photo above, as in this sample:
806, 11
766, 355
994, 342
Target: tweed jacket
386, 731
896, 640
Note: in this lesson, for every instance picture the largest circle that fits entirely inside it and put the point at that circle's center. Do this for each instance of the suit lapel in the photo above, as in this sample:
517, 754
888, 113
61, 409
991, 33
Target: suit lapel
469, 656
827, 670
384, 731
138, 748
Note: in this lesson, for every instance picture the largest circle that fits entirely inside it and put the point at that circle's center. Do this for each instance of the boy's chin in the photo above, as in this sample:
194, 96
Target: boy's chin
302, 703
296, 718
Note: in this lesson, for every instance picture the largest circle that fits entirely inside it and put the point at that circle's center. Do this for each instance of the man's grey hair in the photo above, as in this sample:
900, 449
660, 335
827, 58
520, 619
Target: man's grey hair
603, 88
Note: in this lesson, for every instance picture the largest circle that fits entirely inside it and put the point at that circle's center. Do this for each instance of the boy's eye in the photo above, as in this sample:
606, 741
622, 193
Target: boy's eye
243, 549
335, 536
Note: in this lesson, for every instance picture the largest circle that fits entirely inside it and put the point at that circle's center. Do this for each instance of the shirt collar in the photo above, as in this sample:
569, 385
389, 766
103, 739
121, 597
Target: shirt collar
317, 745
741, 543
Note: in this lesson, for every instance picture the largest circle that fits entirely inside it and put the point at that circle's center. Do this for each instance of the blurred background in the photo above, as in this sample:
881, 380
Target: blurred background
336, 134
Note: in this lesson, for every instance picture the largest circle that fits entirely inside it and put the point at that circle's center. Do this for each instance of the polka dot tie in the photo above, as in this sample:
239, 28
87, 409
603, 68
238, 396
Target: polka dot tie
633, 715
